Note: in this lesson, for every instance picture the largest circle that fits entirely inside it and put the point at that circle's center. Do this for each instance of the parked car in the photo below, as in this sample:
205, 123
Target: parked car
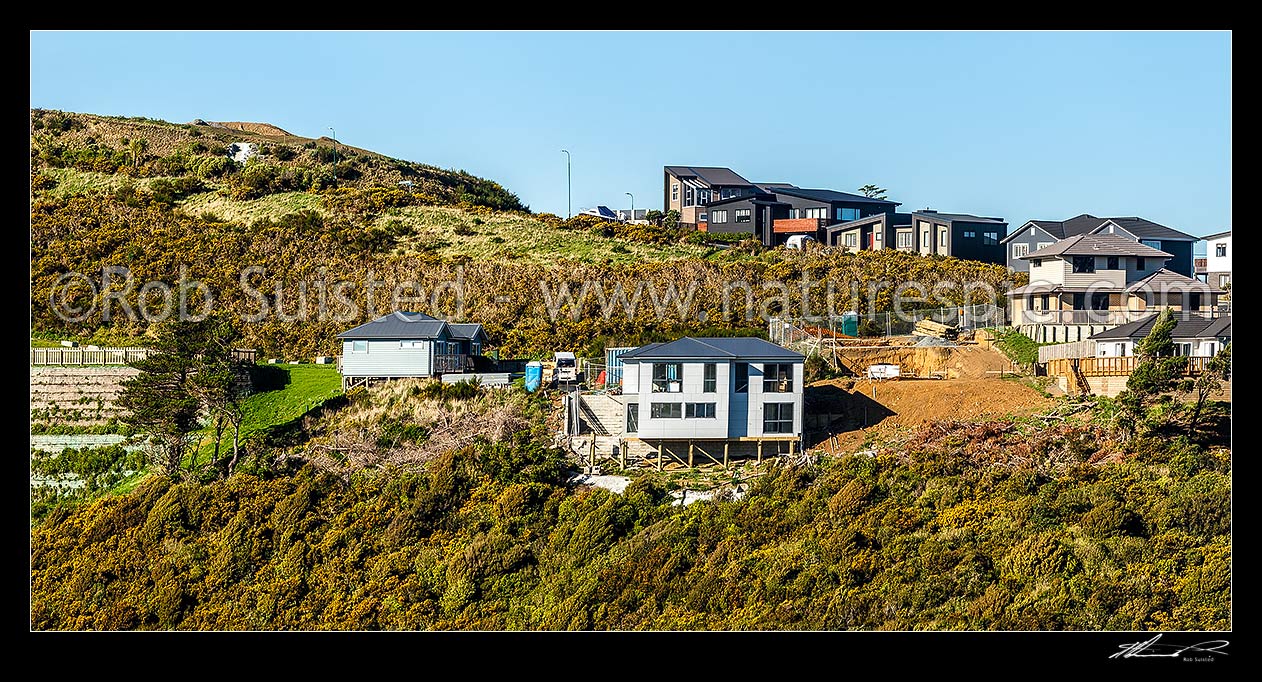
798, 241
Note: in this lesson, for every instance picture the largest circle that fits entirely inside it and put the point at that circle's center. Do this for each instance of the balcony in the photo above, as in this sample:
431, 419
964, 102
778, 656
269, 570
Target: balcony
1109, 317
448, 364
797, 225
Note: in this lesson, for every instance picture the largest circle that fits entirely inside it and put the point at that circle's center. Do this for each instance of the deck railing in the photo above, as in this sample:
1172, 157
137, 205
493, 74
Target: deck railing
110, 356
450, 363
1114, 366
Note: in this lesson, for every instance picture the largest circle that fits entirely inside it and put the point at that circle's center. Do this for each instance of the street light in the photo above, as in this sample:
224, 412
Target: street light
632, 219
567, 184
331, 130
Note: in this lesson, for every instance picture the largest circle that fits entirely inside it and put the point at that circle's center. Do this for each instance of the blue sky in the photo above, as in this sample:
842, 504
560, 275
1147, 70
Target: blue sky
1020, 125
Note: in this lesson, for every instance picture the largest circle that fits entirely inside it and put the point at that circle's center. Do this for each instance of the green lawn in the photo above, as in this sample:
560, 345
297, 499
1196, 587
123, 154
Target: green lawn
308, 386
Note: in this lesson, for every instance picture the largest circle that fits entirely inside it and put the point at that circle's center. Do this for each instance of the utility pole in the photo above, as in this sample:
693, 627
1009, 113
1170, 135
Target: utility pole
632, 218
568, 204
331, 130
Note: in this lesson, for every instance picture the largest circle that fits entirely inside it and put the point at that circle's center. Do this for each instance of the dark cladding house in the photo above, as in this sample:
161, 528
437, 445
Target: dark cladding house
1038, 234
688, 189
774, 216
926, 232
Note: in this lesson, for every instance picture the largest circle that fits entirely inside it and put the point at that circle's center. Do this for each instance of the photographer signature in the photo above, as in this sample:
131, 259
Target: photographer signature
1153, 649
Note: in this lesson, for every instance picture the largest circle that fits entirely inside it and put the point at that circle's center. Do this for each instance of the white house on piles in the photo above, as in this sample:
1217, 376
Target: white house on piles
1218, 259
403, 344
690, 389
1093, 282
1194, 336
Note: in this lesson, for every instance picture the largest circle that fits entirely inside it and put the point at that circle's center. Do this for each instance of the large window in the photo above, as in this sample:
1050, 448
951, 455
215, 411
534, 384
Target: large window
1220, 250
742, 377
814, 213
718, 216
666, 411
904, 240
1099, 301
703, 196
777, 378
851, 239
1080, 301
709, 379
689, 197
742, 215
359, 346
1036, 262
633, 417
777, 418
699, 410
990, 238
668, 377
1154, 243
1018, 249
847, 214
1112, 263
1084, 264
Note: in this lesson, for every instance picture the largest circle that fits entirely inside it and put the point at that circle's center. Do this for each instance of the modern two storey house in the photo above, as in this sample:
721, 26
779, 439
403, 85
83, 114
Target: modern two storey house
407, 345
1094, 282
1218, 259
774, 216
926, 232
1038, 234
688, 189
724, 391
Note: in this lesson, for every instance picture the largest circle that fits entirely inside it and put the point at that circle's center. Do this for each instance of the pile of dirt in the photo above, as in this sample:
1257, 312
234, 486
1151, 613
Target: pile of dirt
859, 405
257, 128
953, 362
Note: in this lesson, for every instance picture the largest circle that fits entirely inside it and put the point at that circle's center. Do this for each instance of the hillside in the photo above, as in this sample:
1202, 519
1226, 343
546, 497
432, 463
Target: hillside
149, 148
162, 198
451, 512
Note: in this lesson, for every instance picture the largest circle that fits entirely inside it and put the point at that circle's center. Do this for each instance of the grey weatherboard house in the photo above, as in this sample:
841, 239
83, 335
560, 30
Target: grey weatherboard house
401, 345
713, 389
1038, 234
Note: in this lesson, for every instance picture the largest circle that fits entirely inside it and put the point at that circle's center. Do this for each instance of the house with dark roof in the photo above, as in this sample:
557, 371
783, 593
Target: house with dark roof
872, 233
688, 189
1095, 281
1196, 336
774, 216
712, 389
1037, 234
927, 232
404, 344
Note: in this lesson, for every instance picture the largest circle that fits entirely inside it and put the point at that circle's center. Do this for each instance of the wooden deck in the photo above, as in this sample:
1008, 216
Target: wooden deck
1113, 367
110, 356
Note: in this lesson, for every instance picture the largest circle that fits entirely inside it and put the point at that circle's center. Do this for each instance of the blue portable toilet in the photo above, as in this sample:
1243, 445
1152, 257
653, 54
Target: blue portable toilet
850, 324
534, 375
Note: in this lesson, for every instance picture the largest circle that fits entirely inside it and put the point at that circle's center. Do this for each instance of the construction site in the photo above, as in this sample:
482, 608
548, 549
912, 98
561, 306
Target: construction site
937, 372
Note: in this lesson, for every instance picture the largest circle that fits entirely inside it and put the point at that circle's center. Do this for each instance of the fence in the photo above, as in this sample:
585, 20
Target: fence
788, 330
109, 356
1077, 349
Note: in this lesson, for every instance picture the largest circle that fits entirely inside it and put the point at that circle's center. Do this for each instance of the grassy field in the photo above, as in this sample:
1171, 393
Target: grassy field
1017, 346
71, 182
451, 232
303, 388
271, 206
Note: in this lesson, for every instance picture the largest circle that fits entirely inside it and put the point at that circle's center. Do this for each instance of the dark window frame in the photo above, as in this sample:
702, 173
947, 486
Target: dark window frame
633, 417
744, 215
1083, 265
774, 418
710, 378
777, 377
673, 410
741, 377
662, 384
707, 410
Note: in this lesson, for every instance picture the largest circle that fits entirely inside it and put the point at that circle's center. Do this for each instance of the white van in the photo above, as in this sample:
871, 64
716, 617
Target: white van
798, 241
566, 366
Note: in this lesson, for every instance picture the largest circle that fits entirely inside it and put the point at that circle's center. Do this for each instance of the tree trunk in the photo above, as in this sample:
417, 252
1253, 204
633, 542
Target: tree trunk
236, 443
